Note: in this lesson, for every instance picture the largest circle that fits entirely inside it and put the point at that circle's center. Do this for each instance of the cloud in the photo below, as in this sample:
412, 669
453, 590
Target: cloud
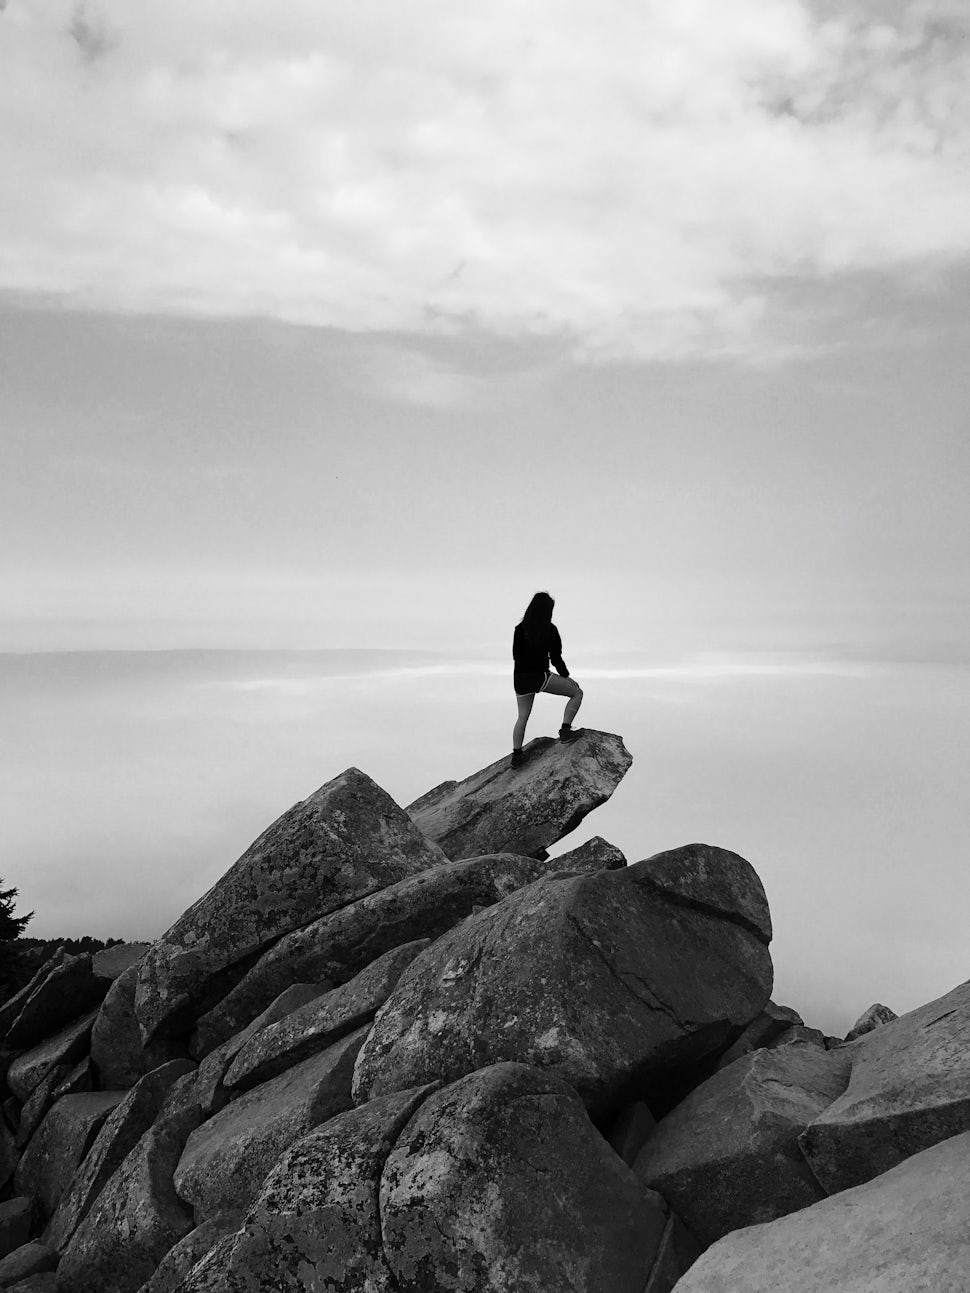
636, 179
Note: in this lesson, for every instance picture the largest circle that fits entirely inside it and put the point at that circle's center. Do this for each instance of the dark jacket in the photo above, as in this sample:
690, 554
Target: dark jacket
532, 659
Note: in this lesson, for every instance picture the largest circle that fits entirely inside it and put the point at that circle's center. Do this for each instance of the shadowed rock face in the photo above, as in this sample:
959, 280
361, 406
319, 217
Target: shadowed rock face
605, 979
501, 1182
347, 839
525, 810
902, 1232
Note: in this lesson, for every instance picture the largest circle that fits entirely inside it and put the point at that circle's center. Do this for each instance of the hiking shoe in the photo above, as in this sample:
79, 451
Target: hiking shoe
571, 733
519, 757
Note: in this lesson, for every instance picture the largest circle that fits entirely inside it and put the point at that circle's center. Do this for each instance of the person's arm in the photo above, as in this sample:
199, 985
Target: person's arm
555, 652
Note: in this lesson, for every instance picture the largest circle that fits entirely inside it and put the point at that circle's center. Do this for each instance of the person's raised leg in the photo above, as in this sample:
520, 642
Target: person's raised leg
518, 732
567, 687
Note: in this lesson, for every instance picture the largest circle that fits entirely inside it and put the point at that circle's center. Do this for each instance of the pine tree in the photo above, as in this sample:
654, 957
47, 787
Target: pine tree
11, 961
11, 926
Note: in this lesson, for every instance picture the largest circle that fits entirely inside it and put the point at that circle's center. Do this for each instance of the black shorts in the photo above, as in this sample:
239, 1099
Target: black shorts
527, 684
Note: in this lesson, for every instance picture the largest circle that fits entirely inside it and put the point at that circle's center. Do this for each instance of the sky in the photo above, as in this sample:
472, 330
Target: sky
346, 330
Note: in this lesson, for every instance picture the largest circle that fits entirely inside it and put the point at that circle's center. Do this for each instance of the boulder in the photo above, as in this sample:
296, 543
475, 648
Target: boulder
111, 962
118, 1051
16, 1219
728, 1155
67, 1046
332, 950
874, 1017
903, 1231
347, 839
178, 1261
318, 1024
124, 1127
69, 990
80, 1078
228, 1157
22, 1263
607, 979
59, 1144
41, 1099
500, 1181
910, 1087
211, 1092
762, 1031
498, 810
316, 1222
12, 1007
596, 854
137, 1217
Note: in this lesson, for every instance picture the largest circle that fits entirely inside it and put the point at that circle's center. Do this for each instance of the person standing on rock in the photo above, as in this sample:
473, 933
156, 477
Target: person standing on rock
535, 644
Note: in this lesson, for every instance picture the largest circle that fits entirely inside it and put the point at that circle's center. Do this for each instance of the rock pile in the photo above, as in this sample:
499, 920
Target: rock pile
405, 1052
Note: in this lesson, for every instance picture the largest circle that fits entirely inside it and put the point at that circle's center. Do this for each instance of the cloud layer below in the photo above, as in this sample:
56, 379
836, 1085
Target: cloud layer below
643, 180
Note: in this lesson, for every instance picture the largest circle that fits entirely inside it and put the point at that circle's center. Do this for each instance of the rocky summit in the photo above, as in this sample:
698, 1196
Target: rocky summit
406, 1051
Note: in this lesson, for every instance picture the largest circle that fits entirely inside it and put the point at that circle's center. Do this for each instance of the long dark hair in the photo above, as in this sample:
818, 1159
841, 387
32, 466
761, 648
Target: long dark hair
537, 618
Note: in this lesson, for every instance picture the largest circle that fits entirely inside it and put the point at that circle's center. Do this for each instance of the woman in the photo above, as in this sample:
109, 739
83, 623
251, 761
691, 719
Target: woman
535, 643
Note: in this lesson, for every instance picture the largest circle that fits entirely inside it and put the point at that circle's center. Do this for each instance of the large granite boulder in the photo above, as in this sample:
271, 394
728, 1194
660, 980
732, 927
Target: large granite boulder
318, 1024
188, 1252
523, 810
500, 1181
70, 989
870, 1019
12, 1007
228, 1157
347, 839
137, 1217
123, 1128
57, 1147
317, 1222
903, 1232
118, 1050
66, 1047
608, 979
910, 1087
335, 948
728, 1155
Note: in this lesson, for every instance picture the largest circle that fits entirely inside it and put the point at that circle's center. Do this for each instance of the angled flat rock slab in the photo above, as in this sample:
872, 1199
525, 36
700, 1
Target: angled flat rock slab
70, 989
903, 1232
12, 1007
118, 1051
500, 1181
41, 1099
315, 1026
59, 1144
110, 962
23, 1263
525, 810
316, 1222
125, 1124
336, 947
910, 1087
66, 1047
188, 1252
727, 1156
228, 1157
604, 979
347, 839
874, 1017
137, 1217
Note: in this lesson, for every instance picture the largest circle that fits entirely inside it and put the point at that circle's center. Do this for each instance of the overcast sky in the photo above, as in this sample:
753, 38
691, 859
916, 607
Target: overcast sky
351, 326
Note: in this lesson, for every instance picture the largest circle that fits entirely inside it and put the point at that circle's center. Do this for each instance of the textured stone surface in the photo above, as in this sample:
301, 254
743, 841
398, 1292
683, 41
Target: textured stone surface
111, 962
16, 1216
498, 810
762, 1031
180, 1259
210, 1089
874, 1017
227, 1158
337, 947
711, 880
910, 1087
12, 1007
123, 1128
70, 989
137, 1217
596, 854
41, 1099
59, 1144
30, 1259
316, 1025
118, 1050
500, 1182
80, 1078
904, 1232
67, 1046
347, 839
601, 978
316, 1222
728, 1155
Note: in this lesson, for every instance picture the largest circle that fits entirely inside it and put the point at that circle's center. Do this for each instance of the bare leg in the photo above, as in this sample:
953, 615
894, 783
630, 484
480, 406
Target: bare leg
566, 687
525, 709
